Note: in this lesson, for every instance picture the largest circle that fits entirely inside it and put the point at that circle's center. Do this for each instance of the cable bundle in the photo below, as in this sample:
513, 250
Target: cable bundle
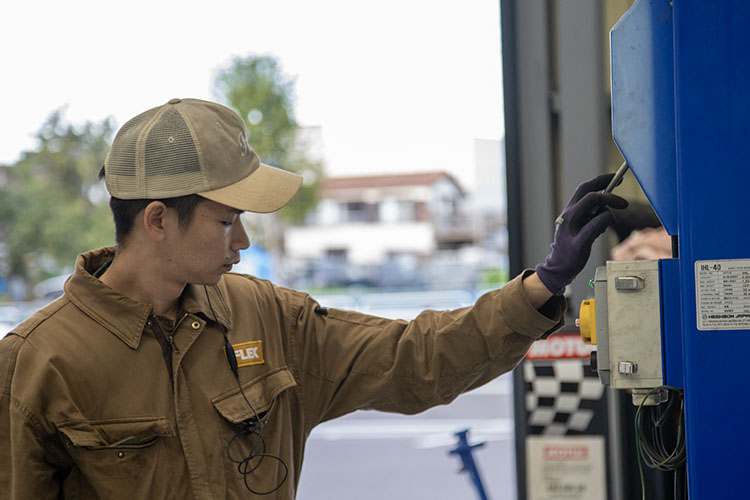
250, 463
652, 429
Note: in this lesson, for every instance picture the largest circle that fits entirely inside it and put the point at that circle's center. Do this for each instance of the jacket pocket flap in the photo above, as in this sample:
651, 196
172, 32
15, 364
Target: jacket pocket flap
260, 392
112, 432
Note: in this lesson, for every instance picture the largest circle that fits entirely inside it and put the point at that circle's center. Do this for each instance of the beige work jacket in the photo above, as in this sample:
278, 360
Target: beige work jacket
90, 410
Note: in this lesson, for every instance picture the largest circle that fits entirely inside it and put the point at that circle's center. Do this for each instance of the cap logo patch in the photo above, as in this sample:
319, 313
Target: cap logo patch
242, 139
249, 353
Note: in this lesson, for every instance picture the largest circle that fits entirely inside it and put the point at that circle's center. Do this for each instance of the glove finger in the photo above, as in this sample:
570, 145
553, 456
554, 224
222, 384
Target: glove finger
586, 209
592, 204
614, 201
595, 184
594, 228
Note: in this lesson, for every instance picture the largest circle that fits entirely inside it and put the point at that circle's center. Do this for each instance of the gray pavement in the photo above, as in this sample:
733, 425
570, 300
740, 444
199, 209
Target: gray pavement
373, 455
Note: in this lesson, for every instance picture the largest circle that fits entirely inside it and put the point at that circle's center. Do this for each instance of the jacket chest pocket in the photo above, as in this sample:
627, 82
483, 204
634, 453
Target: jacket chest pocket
243, 416
119, 458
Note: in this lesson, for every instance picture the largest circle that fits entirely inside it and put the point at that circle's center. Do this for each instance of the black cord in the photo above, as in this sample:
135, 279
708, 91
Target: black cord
657, 445
251, 427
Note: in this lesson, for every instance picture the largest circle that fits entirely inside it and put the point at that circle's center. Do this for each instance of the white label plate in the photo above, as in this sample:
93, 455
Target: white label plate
722, 294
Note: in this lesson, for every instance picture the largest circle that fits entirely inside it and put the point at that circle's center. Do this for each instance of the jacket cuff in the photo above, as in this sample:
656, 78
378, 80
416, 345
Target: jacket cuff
522, 317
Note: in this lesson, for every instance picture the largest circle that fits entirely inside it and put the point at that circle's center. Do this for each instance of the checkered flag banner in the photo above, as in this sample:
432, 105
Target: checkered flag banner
562, 391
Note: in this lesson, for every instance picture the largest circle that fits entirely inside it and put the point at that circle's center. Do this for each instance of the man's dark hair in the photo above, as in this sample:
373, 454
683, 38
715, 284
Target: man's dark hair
125, 211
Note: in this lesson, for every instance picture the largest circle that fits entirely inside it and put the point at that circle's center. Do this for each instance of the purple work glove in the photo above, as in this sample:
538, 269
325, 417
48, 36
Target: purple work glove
583, 220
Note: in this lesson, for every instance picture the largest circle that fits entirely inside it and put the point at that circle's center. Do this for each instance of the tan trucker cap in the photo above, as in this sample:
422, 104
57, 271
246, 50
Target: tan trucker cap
190, 146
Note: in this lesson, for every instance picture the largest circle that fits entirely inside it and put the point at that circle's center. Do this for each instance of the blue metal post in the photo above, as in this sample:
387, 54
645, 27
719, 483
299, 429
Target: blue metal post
463, 450
712, 104
696, 83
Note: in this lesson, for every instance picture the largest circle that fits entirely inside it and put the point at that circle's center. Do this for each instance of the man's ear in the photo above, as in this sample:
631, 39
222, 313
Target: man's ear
155, 220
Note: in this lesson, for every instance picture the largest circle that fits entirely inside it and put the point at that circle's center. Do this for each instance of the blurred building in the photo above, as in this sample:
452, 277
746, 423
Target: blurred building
368, 220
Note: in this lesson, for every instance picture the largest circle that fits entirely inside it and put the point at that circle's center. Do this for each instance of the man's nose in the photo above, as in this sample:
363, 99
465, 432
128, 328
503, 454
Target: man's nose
240, 240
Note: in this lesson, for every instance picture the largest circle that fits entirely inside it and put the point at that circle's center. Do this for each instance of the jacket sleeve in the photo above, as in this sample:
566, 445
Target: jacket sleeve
348, 361
26, 464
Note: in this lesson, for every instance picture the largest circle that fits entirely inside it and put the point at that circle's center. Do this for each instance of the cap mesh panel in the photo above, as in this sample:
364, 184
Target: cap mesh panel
122, 157
172, 163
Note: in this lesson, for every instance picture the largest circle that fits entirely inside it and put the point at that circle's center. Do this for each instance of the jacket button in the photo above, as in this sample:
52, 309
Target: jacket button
120, 454
195, 325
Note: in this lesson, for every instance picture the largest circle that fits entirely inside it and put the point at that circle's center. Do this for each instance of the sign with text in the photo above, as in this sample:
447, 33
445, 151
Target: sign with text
559, 346
565, 468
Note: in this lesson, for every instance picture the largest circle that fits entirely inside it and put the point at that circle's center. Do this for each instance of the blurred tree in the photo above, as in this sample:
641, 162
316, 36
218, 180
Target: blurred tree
52, 205
257, 89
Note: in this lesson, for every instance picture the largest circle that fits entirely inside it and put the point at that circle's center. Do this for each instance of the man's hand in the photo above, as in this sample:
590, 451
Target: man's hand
583, 220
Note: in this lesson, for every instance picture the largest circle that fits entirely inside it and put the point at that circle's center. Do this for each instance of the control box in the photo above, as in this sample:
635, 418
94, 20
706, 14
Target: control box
624, 322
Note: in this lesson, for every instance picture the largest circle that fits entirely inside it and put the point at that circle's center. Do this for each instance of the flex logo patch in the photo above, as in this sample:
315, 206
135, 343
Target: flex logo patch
249, 353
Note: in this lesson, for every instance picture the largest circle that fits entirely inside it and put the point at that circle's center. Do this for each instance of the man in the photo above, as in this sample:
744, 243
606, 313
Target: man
159, 374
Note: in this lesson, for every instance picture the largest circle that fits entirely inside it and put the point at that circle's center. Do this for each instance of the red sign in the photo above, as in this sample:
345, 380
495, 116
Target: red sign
565, 346
561, 453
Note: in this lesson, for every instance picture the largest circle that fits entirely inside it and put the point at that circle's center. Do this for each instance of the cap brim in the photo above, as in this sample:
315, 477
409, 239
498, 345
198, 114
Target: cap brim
265, 190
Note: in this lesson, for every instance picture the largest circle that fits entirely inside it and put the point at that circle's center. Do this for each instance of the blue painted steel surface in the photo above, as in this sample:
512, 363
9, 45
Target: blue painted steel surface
710, 47
643, 102
671, 324
712, 96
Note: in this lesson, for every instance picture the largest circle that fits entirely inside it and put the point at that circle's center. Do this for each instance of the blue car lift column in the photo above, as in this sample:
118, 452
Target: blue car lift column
681, 117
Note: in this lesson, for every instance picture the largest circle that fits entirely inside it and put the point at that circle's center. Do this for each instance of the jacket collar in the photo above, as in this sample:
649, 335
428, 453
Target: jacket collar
208, 301
125, 317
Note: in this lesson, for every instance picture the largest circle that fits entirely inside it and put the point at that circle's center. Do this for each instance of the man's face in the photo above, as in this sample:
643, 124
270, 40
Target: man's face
208, 247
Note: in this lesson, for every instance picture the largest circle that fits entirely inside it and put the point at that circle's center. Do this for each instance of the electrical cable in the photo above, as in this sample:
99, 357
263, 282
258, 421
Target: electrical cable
651, 425
252, 426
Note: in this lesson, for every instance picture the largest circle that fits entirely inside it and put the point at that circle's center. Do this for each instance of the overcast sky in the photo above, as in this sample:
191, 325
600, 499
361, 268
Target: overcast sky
396, 85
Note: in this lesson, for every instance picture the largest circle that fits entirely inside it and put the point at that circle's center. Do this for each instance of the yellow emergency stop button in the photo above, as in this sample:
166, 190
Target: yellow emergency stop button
587, 321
